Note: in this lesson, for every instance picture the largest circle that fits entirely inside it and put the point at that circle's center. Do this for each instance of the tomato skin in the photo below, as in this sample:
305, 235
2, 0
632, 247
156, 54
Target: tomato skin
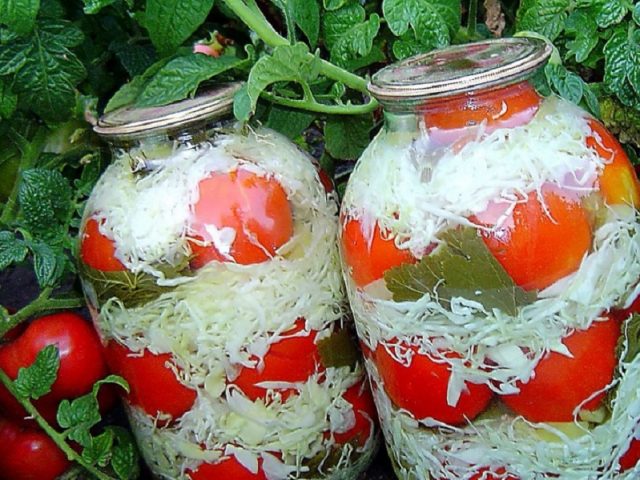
631, 457
369, 263
254, 207
618, 182
533, 248
561, 383
153, 386
421, 388
29, 454
98, 251
81, 361
359, 396
289, 360
485, 474
228, 468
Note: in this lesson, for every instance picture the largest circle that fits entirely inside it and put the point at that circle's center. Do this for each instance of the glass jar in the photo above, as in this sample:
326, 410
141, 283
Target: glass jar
209, 262
491, 249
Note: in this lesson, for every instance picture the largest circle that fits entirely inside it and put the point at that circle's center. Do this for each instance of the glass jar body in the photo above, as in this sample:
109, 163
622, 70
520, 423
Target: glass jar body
209, 265
491, 250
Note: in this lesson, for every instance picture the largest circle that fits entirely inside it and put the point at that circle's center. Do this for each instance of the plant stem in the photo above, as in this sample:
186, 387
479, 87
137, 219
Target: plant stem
56, 436
322, 108
472, 16
42, 303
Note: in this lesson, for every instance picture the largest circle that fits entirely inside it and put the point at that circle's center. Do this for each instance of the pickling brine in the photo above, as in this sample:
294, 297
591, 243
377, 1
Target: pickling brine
491, 248
209, 262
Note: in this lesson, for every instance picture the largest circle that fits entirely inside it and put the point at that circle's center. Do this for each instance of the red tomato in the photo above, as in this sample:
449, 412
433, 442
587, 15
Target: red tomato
359, 396
618, 182
505, 107
81, 360
153, 385
289, 360
537, 248
561, 383
623, 314
631, 456
228, 468
485, 474
256, 208
29, 454
368, 261
97, 250
421, 388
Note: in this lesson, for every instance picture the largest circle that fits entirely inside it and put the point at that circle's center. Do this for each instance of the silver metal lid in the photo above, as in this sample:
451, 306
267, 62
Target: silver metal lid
131, 122
459, 69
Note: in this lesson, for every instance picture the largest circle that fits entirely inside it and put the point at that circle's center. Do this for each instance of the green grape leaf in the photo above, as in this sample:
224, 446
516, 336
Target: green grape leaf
171, 22
124, 456
46, 71
610, 12
36, 380
287, 63
348, 35
306, 15
8, 100
338, 350
567, 84
288, 121
180, 78
543, 16
98, 449
422, 16
347, 137
462, 266
12, 250
45, 198
19, 15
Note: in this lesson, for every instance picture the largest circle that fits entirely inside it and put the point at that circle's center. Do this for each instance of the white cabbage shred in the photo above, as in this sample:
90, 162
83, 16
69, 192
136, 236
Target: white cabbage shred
226, 315
415, 191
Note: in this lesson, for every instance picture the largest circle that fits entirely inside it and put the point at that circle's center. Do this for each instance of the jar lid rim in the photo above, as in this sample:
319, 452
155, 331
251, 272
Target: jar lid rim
460, 68
130, 121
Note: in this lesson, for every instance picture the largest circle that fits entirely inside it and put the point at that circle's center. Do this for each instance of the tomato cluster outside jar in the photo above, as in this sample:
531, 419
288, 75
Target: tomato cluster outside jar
491, 248
209, 262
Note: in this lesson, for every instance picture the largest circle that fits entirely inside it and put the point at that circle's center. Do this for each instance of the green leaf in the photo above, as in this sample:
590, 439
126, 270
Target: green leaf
462, 266
288, 121
98, 451
618, 63
333, 4
171, 22
543, 16
8, 100
347, 34
591, 99
12, 250
180, 78
585, 29
338, 350
622, 121
636, 13
124, 457
287, 63
48, 264
36, 380
78, 416
610, 12
46, 71
45, 199
347, 137
134, 58
421, 15
306, 15
567, 84
19, 15
91, 7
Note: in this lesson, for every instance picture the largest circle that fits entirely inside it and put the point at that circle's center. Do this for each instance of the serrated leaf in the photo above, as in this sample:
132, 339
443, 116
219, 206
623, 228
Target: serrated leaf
45, 199
46, 71
78, 416
407, 45
171, 22
124, 456
347, 137
610, 12
98, 451
567, 84
347, 34
110, 380
180, 78
36, 380
591, 100
19, 15
8, 100
421, 15
12, 250
288, 121
584, 27
91, 7
462, 266
306, 15
543, 16
618, 63
48, 264
287, 63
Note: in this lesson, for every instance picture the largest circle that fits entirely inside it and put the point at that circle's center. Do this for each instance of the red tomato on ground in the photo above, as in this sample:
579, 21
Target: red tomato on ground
81, 361
537, 248
228, 468
505, 107
289, 360
561, 383
98, 251
29, 454
153, 385
618, 182
421, 388
631, 456
256, 208
359, 396
368, 261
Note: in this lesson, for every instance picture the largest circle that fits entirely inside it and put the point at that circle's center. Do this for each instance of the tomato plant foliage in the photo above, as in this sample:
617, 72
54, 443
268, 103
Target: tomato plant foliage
305, 64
